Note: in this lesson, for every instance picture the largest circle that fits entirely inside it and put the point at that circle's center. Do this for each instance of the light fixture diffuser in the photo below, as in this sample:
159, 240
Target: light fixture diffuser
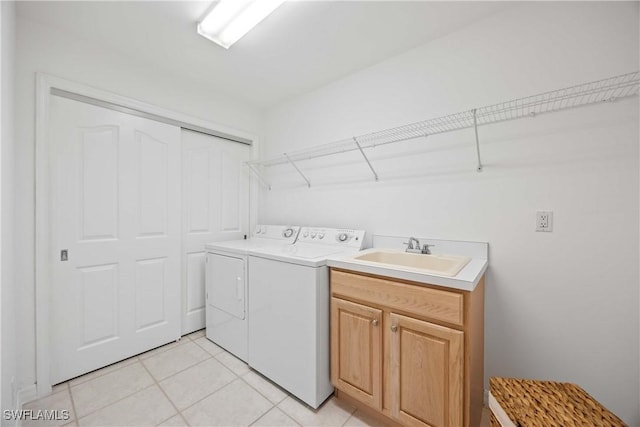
229, 20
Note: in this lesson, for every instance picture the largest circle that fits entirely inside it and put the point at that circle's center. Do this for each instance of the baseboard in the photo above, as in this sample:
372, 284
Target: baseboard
15, 400
26, 394
21, 396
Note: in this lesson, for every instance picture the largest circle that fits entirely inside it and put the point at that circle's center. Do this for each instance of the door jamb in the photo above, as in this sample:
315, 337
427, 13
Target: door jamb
44, 84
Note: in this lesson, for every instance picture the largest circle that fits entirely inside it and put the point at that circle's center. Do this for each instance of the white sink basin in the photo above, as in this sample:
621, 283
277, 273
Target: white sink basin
443, 265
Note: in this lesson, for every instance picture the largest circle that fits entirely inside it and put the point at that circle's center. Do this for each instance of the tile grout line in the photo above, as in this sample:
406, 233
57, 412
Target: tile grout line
181, 370
263, 414
113, 403
136, 356
109, 404
122, 398
180, 341
76, 417
103, 374
202, 361
350, 413
295, 420
279, 409
179, 412
138, 360
350, 416
157, 384
331, 397
210, 394
226, 367
273, 405
222, 350
186, 339
260, 393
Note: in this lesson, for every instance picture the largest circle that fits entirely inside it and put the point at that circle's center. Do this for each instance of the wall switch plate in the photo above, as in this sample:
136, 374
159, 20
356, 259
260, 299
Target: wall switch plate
544, 221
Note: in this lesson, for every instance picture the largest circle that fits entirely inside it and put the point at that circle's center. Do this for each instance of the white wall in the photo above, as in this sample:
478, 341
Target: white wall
562, 305
41, 48
8, 288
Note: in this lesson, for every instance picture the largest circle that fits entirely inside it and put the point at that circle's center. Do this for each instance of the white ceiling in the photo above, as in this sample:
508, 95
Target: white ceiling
303, 45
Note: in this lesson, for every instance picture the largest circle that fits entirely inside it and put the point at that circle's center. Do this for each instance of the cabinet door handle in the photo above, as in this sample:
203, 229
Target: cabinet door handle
374, 322
394, 328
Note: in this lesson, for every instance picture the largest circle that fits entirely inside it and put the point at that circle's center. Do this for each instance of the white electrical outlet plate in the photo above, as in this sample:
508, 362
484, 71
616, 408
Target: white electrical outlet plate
544, 221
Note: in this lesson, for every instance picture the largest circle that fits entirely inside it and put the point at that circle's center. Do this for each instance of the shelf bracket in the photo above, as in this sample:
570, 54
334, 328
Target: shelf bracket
366, 159
255, 171
475, 127
298, 169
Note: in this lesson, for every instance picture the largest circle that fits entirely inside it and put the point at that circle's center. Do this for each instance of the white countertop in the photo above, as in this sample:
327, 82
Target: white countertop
465, 280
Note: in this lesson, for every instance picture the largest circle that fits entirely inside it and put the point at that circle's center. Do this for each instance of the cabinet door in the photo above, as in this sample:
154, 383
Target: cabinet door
356, 351
427, 370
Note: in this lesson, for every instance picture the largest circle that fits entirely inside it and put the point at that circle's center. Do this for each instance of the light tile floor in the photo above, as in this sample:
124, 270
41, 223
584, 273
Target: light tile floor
192, 382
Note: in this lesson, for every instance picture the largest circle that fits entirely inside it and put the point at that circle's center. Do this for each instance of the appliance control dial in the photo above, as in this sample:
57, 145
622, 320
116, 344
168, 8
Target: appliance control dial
343, 237
313, 234
306, 233
320, 235
288, 232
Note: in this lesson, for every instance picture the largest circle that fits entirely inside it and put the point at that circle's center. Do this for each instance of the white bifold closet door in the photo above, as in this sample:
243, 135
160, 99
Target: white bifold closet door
115, 224
215, 207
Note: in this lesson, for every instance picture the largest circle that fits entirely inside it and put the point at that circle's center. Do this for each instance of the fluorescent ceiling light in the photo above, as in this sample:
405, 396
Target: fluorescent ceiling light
229, 20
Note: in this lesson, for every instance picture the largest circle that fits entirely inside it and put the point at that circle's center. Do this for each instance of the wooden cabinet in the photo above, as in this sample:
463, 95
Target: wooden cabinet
426, 373
358, 359
413, 353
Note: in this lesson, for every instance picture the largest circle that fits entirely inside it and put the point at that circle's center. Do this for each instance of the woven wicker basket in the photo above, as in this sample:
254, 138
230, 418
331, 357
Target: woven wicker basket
530, 403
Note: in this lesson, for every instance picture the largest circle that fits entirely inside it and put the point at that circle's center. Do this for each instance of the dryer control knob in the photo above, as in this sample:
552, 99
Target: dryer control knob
313, 234
343, 237
320, 235
306, 233
288, 232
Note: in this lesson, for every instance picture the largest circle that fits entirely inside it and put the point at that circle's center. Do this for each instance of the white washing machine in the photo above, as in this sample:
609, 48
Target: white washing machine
226, 285
289, 311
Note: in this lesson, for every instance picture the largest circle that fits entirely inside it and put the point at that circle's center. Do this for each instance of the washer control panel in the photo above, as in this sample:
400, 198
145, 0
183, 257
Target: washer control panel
332, 236
282, 232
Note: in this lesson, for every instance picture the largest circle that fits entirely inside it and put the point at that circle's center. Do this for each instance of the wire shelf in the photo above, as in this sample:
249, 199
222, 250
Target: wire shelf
608, 89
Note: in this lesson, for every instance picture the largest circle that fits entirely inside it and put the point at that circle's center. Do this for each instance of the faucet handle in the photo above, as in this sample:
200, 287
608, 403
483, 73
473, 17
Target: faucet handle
425, 248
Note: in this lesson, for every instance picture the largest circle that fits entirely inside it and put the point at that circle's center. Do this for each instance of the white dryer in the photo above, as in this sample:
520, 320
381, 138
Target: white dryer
226, 285
289, 311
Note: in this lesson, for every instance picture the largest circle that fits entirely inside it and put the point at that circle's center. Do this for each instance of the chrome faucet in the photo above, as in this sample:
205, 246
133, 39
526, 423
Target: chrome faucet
413, 246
